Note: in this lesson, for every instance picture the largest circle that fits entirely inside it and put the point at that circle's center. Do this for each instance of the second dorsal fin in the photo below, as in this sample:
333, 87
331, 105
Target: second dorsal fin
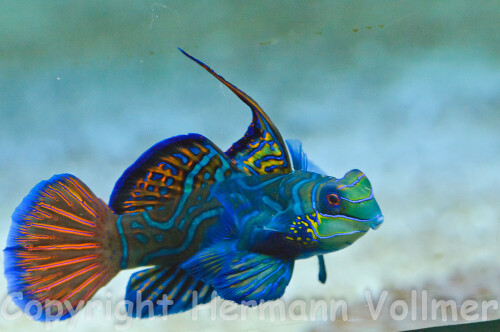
168, 170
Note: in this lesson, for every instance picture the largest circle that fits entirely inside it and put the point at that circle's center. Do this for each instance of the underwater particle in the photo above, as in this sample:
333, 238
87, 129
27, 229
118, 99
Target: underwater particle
355, 30
380, 25
368, 27
268, 42
151, 53
318, 33
438, 256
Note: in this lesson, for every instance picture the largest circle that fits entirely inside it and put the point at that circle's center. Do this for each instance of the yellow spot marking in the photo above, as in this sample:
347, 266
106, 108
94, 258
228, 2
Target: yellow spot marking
312, 233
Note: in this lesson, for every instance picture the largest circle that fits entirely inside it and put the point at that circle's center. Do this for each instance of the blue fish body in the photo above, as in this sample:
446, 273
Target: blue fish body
204, 221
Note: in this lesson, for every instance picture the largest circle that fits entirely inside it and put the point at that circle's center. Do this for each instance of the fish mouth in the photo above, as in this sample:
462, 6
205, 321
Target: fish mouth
376, 222
373, 223
348, 226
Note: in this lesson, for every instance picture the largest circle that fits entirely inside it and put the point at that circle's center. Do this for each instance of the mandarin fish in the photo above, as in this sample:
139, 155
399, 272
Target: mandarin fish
201, 220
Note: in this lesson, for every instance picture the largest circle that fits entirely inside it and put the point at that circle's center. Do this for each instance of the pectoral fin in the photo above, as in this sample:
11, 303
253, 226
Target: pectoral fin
299, 157
239, 275
241, 196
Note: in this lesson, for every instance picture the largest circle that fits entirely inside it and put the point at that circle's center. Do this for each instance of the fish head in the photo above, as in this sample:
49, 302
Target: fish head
344, 210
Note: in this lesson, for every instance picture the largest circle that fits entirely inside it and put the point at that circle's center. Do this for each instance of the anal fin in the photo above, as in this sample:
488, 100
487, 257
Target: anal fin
164, 290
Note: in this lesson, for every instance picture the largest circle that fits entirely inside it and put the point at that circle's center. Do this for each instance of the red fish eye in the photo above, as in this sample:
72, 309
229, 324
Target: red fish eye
333, 199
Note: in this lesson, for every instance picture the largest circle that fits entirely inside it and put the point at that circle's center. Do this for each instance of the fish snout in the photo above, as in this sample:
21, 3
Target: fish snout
376, 222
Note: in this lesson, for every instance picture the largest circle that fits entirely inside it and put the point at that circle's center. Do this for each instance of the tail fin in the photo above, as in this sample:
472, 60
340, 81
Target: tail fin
58, 253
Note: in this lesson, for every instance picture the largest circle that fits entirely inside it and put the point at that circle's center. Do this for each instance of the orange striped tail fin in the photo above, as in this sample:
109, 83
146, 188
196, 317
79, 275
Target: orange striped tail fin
58, 253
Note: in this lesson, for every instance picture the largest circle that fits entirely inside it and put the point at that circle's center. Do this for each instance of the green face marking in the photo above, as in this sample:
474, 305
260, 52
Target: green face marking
342, 210
345, 211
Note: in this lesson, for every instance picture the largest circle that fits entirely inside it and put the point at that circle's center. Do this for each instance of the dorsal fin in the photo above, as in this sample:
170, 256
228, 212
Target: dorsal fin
262, 149
168, 170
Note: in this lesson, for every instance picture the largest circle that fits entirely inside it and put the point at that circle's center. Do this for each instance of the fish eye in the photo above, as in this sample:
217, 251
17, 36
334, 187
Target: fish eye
333, 199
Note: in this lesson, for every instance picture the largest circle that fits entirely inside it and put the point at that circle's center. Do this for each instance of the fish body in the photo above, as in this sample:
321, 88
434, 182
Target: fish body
270, 214
202, 221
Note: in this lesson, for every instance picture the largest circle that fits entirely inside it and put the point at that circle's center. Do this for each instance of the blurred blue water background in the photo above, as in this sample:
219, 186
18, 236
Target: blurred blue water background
407, 91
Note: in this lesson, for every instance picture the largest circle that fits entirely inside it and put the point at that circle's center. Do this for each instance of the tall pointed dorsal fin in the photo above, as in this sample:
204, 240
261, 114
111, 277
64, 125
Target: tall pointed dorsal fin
168, 170
262, 149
